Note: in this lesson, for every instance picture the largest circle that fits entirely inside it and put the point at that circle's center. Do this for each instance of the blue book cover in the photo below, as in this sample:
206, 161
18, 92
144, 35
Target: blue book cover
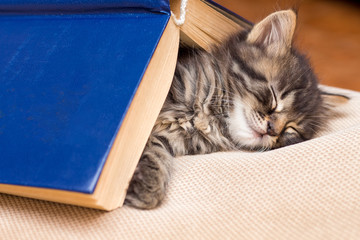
67, 79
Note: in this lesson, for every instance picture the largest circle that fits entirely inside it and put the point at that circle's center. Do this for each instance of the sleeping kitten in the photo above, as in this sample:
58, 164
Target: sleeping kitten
255, 91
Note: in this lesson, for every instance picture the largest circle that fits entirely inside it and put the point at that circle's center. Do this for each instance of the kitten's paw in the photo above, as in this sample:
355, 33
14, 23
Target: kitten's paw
147, 188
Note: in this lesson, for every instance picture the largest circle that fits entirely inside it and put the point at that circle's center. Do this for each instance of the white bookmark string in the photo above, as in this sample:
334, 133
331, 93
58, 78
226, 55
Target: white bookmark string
181, 20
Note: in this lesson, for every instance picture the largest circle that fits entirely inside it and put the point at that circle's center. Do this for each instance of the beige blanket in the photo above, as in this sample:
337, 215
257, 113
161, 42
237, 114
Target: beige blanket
306, 191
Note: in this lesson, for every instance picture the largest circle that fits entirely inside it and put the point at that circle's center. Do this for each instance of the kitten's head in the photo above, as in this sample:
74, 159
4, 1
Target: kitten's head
276, 100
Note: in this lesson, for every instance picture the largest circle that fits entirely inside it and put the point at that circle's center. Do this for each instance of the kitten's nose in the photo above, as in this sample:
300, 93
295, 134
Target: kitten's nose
271, 129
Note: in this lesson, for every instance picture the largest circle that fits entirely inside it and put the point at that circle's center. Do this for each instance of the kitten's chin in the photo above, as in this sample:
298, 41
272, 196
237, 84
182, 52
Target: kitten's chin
242, 134
253, 141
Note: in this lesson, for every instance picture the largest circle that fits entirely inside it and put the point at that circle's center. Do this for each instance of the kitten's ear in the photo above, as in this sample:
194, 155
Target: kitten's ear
275, 32
334, 100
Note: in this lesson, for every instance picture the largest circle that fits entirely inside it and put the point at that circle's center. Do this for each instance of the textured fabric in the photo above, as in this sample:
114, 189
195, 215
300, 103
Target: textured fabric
306, 191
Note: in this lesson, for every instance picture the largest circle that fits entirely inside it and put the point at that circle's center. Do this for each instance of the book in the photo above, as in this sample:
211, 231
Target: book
80, 93
81, 85
208, 23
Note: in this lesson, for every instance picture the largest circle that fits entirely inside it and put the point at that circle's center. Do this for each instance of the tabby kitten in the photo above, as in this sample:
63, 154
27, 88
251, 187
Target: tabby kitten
255, 91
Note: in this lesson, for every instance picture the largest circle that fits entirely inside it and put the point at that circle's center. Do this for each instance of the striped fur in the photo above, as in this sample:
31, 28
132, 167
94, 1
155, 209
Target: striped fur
255, 91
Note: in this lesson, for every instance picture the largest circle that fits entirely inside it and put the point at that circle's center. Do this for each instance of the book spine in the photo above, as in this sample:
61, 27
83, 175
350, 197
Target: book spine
234, 16
82, 6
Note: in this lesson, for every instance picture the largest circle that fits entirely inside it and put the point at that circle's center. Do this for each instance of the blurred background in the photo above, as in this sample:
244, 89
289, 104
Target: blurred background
328, 31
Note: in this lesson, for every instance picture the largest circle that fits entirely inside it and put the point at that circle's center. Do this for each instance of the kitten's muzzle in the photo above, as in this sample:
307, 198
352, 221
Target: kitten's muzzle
271, 129
275, 124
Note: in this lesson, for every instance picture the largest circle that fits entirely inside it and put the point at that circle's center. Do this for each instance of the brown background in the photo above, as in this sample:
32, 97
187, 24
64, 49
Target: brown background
328, 31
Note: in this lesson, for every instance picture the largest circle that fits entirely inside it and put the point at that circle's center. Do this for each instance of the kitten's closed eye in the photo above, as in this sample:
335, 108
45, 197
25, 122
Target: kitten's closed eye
288, 137
274, 104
